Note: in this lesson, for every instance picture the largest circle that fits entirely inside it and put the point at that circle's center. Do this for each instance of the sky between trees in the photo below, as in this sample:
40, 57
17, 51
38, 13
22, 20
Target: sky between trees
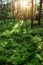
4, 1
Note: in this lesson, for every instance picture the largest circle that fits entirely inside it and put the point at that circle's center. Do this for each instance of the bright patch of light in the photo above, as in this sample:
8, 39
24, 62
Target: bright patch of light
24, 3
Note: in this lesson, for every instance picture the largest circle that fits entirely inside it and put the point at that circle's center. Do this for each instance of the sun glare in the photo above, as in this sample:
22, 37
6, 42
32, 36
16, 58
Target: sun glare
24, 3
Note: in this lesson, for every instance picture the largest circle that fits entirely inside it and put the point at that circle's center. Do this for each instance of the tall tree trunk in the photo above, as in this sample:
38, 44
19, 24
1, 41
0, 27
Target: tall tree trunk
1, 9
32, 15
40, 12
13, 8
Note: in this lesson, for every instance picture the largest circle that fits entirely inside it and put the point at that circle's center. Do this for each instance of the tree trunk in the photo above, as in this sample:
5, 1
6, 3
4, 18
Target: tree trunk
40, 12
13, 8
32, 16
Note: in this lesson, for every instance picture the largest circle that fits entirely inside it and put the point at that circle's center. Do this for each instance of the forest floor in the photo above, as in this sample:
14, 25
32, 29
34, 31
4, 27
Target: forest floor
19, 44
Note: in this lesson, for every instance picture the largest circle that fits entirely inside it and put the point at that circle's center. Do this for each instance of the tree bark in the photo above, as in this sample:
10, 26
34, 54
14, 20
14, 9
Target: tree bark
40, 12
32, 16
13, 8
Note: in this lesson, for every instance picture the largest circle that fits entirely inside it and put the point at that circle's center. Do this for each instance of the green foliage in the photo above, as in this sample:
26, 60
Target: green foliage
20, 48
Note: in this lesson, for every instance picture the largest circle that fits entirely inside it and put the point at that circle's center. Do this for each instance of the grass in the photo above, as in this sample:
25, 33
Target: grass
19, 44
